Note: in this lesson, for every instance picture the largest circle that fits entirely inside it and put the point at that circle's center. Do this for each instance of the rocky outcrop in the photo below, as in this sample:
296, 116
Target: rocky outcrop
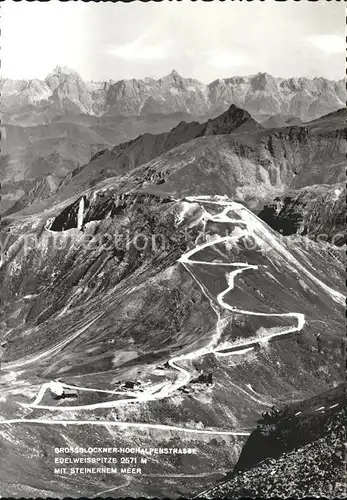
288, 431
231, 120
99, 206
299, 455
69, 91
315, 211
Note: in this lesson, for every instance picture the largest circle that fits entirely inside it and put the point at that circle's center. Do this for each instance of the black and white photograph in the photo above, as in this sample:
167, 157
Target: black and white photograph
173, 241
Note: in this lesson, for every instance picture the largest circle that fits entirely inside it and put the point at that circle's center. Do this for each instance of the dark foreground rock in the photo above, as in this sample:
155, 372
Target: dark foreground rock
298, 454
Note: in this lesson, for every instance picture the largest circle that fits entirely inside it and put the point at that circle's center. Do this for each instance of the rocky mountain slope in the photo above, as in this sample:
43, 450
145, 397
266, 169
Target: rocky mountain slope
316, 211
21, 92
26, 144
297, 453
116, 286
125, 157
57, 147
128, 156
259, 94
243, 161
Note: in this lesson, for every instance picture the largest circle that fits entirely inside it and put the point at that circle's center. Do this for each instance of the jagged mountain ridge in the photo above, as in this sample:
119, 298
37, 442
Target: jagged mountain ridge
145, 148
259, 94
251, 164
126, 156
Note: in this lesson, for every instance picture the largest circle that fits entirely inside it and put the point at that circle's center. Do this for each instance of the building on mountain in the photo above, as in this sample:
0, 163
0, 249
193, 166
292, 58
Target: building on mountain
58, 391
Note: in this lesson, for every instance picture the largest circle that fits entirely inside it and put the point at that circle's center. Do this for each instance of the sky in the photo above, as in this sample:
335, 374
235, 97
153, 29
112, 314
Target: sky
202, 40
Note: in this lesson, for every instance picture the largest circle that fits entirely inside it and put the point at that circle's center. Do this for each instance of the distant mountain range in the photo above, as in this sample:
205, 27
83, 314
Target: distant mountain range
260, 94
56, 142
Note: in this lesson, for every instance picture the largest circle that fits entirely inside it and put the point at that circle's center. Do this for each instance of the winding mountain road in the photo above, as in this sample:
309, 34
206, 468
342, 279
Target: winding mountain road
245, 226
